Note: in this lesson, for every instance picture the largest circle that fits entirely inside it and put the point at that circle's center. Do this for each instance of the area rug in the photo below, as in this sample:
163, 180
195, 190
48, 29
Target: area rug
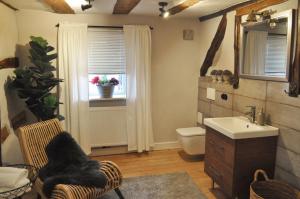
167, 186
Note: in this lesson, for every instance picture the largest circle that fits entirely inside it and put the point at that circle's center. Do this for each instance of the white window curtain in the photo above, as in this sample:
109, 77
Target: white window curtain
255, 52
138, 71
72, 57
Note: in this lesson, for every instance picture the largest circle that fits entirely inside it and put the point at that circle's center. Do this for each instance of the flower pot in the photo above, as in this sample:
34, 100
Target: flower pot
106, 91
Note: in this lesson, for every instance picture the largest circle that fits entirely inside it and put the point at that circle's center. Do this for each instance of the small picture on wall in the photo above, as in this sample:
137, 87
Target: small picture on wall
188, 34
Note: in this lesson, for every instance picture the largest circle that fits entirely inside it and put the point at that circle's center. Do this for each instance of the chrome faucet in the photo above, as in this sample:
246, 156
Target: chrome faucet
251, 114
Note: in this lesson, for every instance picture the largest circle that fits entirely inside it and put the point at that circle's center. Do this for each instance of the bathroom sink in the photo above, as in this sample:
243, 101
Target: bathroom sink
240, 127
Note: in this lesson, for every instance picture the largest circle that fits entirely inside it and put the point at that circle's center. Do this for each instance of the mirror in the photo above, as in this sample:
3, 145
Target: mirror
267, 45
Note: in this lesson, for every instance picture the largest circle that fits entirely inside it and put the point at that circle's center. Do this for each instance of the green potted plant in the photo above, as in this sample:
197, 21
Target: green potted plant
105, 87
34, 83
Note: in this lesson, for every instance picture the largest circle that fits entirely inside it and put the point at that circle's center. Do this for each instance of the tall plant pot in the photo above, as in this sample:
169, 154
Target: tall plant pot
106, 91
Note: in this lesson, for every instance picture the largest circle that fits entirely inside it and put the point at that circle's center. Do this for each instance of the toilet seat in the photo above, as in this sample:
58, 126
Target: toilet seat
191, 131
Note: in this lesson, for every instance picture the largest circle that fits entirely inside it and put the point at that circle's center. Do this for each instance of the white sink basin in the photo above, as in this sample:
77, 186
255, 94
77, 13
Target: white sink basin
240, 127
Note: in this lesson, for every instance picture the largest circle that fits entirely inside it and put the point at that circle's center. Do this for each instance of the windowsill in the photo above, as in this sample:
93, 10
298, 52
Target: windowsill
107, 99
107, 102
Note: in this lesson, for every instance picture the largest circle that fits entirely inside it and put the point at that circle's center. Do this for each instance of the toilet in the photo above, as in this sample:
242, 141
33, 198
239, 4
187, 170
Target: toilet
192, 140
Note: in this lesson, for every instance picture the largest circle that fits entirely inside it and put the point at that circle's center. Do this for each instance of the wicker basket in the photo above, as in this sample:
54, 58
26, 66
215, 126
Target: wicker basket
271, 189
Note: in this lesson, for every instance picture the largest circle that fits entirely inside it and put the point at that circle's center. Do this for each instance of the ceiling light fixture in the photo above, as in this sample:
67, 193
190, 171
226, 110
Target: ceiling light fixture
86, 6
163, 12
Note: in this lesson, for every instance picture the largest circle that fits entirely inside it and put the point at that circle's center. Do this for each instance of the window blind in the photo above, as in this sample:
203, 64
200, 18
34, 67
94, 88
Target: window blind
276, 55
106, 51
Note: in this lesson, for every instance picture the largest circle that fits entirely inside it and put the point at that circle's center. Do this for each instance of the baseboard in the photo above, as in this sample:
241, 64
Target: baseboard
113, 150
166, 145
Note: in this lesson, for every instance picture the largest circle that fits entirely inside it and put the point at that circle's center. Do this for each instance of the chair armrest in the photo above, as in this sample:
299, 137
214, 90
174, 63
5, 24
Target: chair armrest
110, 170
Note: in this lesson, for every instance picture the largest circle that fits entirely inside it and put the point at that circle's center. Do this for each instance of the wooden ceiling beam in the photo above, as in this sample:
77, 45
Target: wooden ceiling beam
226, 10
182, 6
125, 6
59, 6
243, 8
259, 5
8, 5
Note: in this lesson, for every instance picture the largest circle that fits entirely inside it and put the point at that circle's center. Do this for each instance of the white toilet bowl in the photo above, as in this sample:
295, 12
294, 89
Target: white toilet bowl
192, 140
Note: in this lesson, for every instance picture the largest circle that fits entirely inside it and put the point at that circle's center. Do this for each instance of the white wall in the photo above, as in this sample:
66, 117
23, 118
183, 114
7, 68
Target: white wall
175, 63
9, 105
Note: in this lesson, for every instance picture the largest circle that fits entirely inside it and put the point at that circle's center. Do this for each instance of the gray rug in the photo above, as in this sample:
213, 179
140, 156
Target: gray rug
168, 186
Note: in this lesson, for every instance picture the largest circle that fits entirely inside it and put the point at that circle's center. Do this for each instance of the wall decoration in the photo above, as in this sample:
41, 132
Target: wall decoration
188, 35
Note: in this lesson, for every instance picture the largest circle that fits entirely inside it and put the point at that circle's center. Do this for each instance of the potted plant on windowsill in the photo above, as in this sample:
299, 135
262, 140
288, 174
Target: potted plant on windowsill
105, 87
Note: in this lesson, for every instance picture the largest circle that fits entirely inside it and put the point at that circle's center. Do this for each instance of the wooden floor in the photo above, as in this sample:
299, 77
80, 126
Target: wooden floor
161, 162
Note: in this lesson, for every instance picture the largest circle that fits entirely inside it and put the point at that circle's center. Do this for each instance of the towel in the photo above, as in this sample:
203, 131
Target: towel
21, 183
11, 177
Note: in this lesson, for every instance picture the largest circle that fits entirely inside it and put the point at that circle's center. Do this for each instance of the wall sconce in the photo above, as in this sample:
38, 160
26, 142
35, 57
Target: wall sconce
265, 15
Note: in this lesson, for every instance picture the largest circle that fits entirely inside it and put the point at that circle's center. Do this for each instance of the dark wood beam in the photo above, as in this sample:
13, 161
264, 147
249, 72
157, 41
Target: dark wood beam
226, 10
8, 5
9, 63
59, 6
214, 46
125, 6
237, 30
294, 87
182, 6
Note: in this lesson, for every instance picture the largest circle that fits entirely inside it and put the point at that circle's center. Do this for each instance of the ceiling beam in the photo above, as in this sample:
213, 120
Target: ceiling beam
182, 6
243, 8
226, 10
12, 62
125, 6
59, 6
8, 5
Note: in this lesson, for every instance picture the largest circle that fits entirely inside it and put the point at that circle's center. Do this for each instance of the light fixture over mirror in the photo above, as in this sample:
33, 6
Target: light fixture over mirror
163, 12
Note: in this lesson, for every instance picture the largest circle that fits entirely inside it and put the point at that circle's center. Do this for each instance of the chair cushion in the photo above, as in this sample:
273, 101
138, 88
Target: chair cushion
68, 164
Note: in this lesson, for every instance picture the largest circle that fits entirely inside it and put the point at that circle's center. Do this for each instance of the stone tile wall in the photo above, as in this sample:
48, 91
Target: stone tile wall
282, 111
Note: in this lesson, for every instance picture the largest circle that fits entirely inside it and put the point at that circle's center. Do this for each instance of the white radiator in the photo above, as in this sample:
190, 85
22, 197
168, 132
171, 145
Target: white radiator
108, 126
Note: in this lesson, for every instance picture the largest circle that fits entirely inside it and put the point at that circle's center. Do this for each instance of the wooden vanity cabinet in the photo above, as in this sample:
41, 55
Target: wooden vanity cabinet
231, 163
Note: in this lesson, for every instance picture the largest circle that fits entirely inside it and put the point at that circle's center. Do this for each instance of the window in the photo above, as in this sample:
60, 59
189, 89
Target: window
106, 57
276, 54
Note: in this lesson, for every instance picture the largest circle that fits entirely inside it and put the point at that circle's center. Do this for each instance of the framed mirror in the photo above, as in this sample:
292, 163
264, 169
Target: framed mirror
267, 45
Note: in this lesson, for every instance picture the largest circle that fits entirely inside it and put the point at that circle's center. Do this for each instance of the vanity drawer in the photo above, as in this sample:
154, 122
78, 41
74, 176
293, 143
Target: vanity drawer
219, 147
221, 174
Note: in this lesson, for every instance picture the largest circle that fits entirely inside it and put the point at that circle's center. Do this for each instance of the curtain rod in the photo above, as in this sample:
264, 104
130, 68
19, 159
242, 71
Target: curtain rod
116, 27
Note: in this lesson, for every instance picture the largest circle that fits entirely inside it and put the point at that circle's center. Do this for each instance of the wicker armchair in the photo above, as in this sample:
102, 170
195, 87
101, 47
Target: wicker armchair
33, 140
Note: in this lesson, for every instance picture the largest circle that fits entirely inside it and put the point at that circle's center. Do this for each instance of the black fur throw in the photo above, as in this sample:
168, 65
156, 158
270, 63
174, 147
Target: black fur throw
68, 164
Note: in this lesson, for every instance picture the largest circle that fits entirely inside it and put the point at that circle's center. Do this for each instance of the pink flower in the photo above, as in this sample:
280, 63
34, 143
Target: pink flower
95, 80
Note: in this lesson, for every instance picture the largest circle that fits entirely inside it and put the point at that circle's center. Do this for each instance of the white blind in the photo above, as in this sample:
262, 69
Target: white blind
106, 51
276, 55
